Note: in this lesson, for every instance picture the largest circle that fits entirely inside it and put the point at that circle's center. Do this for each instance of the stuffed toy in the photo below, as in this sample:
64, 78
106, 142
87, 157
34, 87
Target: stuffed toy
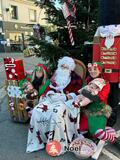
93, 87
30, 92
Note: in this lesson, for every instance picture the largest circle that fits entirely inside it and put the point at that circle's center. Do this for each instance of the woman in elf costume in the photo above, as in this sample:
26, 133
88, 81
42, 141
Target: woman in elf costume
36, 84
94, 116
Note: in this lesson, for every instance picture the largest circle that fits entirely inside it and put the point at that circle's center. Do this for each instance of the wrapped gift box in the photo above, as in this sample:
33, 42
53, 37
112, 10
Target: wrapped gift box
14, 68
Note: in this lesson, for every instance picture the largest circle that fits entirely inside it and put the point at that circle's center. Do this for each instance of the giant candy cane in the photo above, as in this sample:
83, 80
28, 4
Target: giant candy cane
66, 14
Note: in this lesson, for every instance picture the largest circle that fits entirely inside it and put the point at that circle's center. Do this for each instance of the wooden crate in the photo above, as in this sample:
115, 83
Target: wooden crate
16, 106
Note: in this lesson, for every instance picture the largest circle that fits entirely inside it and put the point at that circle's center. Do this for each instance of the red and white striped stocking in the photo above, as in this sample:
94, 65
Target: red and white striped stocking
108, 134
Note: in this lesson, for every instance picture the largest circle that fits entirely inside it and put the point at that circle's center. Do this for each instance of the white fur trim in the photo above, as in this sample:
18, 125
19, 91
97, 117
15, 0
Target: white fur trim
67, 61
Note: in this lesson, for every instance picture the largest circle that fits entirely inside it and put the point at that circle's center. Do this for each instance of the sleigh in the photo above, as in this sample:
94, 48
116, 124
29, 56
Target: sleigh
17, 101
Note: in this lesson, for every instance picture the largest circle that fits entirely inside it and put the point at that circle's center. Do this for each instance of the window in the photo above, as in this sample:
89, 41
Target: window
14, 12
32, 15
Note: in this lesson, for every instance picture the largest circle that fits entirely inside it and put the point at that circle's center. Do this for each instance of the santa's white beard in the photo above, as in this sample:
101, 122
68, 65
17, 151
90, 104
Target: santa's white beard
62, 76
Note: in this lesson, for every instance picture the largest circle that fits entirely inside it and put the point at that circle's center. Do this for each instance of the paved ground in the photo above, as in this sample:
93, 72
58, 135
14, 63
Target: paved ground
13, 136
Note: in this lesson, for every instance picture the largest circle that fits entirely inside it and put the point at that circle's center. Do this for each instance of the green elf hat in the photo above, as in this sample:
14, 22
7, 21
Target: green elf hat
40, 67
94, 65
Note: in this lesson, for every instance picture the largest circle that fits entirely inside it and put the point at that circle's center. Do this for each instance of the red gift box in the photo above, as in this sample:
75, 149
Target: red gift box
14, 68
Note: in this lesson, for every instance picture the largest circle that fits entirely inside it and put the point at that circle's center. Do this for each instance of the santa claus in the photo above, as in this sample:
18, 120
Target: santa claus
65, 80
52, 119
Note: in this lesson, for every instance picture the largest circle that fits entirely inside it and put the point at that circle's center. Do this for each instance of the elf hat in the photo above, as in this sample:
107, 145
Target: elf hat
95, 65
40, 67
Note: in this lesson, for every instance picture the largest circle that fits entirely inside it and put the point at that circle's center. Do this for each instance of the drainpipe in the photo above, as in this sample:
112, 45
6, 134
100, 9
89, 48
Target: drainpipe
2, 26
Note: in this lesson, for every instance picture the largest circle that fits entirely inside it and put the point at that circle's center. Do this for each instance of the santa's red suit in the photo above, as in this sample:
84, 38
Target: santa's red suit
73, 86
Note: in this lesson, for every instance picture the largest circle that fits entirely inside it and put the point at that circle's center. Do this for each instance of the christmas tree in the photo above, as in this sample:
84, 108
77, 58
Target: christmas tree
75, 22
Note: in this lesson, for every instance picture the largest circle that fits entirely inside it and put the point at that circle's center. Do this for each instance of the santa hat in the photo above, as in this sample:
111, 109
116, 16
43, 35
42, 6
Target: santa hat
98, 65
100, 82
68, 61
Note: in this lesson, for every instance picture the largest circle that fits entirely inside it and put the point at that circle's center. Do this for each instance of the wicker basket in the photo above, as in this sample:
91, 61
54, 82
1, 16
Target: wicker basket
80, 69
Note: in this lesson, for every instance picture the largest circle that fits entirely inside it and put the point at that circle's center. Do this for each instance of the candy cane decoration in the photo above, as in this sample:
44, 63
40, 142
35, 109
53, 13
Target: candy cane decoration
70, 32
68, 21
66, 14
73, 5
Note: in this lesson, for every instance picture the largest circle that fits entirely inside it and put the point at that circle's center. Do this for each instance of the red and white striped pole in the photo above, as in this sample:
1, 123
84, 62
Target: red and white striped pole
66, 14
73, 5
70, 32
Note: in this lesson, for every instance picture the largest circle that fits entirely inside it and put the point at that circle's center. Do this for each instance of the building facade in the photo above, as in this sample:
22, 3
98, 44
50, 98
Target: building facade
16, 20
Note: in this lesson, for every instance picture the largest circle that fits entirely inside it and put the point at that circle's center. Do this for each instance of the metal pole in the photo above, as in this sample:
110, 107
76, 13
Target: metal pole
4, 48
23, 41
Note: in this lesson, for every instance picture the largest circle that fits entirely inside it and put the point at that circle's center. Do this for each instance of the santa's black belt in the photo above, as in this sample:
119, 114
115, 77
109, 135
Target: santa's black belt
111, 70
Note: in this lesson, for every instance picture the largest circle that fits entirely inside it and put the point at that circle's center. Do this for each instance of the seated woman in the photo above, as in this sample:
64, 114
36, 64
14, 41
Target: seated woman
36, 84
94, 116
54, 120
